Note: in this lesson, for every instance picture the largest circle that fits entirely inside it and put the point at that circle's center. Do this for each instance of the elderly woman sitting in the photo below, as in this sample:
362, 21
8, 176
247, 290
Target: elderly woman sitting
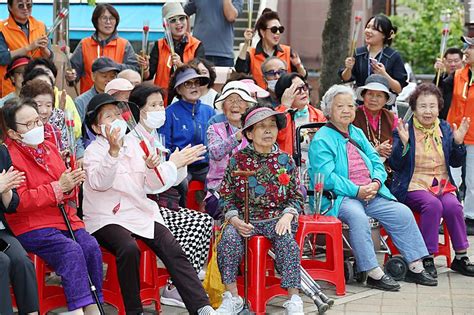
423, 150
354, 173
377, 122
274, 205
225, 138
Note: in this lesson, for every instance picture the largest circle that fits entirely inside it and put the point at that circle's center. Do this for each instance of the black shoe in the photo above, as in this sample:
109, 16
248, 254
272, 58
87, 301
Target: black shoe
428, 264
469, 226
464, 266
385, 283
422, 278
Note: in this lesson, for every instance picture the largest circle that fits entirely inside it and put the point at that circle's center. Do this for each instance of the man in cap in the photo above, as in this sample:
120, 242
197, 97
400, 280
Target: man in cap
461, 87
119, 89
104, 70
15, 71
186, 47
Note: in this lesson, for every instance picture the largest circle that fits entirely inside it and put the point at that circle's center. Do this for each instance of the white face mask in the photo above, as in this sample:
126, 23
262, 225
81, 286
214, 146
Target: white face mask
34, 136
271, 84
155, 119
117, 123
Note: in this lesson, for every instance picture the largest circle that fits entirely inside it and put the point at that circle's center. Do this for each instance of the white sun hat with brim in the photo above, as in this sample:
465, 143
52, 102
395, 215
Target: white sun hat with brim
234, 87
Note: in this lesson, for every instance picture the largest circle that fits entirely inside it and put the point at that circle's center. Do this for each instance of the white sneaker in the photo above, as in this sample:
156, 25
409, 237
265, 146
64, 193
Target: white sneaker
171, 297
231, 305
294, 306
202, 274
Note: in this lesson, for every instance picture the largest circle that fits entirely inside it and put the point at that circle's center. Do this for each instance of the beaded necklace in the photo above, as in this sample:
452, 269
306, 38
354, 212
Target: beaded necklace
374, 140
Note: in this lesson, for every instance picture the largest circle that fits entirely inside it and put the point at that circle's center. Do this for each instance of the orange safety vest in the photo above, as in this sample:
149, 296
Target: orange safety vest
462, 103
256, 61
285, 138
163, 69
16, 39
91, 50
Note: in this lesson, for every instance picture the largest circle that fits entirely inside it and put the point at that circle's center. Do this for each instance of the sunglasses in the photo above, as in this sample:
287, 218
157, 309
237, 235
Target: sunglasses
275, 29
174, 20
192, 84
274, 73
23, 6
302, 88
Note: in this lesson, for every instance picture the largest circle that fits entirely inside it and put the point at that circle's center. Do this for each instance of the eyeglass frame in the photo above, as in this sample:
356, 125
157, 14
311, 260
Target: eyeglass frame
187, 84
274, 73
275, 29
31, 124
25, 5
105, 19
302, 88
175, 19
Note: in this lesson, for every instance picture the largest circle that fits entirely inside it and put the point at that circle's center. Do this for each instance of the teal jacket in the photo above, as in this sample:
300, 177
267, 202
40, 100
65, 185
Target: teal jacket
328, 156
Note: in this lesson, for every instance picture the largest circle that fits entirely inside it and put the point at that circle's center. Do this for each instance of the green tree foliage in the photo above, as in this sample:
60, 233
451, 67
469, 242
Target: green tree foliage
335, 42
419, 32
91, 2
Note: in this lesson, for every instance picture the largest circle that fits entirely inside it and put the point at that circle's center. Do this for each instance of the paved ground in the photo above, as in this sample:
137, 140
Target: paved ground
453, 295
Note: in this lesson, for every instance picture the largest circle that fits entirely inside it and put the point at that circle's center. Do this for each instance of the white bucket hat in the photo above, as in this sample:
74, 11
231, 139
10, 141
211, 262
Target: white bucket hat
234, 87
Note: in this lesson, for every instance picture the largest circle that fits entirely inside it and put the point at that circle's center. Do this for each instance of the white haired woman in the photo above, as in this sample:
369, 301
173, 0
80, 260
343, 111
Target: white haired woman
358, 182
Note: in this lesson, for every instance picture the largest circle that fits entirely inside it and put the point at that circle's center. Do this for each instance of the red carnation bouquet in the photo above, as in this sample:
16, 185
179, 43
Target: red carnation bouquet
283, 180
318, 192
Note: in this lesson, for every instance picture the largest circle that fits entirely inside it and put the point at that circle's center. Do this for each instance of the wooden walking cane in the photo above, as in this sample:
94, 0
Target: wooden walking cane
245, 175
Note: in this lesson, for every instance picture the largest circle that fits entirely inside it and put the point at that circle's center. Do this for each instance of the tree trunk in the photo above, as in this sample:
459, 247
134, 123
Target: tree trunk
336, 36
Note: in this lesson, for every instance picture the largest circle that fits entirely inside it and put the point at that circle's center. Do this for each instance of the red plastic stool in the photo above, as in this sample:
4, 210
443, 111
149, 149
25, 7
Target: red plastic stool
193, 187
261, 287
152, 279
50, 296
444, 249
332, 269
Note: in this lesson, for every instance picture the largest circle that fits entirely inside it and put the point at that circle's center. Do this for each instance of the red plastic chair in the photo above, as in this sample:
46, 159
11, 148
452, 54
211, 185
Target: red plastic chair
50, 296
332, 269
444, 249
262, 287
193, 187
152, 279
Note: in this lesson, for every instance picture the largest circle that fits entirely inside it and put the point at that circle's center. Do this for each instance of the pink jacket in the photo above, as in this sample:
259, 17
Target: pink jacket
114, 190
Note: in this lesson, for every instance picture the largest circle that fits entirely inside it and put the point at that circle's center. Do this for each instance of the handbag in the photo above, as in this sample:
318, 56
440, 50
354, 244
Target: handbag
212, 281
441, 188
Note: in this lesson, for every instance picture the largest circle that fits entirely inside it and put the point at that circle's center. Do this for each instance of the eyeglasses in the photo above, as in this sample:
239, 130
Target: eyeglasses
27, 5
105, 19
236, 101
174, 20
275, 29
302, 88
192, 84
31, 124
274, 73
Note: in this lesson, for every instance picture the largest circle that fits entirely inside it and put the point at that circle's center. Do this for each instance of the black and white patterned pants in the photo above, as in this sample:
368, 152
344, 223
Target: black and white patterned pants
192, 229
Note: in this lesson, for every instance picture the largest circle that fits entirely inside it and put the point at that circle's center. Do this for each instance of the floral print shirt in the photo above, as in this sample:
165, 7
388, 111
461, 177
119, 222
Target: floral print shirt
271, 194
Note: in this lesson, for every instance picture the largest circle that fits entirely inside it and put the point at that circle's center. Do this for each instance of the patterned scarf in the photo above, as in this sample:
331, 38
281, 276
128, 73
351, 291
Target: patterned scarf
431, 135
